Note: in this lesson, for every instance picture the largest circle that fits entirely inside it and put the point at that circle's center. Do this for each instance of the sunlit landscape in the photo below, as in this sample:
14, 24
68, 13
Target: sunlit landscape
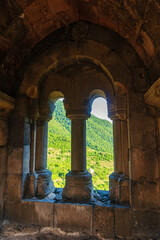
99, 148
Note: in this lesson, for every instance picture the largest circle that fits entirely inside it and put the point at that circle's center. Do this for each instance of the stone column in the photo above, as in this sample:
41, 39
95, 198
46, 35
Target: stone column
78, 185
44, 184
118, 167
124, 180
119, 179
39, 178
32, 177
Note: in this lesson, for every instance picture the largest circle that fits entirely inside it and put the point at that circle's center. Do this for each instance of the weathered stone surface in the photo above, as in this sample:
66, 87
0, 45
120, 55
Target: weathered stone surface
15, 157
145, 194
114, 47
14, 187
104, 221
142, 163
78, 187
3, 132
118, 69
142, 132
9, 231
154, 68
29, 212
3, 158
123, 222
146, 224
2, 187
73, 217
136, 104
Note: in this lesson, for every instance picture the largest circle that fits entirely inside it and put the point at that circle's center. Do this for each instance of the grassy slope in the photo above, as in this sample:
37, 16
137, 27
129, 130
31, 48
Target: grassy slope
99, 148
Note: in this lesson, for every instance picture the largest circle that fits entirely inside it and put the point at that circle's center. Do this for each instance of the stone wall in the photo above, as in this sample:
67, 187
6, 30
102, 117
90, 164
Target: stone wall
76, 62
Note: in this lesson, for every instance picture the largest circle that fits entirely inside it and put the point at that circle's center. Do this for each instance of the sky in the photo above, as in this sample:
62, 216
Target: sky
99, 109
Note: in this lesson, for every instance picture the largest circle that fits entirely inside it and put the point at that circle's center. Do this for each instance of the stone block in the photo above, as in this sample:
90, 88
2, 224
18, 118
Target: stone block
123, 222
144, 164
35, 11
104, 221
140, 79
145, 194
44, 26
14, 187
142, 132
60, 5
15, 161
136, 104
43, 213
3, 132
146, 224
123, 190
24, 3
109, 38
3, 158
2, 182
118, 68
29, 212
16, 130
92, 49
73, 217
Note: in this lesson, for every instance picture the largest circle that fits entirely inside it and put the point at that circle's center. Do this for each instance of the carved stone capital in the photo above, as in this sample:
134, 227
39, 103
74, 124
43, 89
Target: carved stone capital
117, 113
7, 104
34, 110
152, 96
79, 109
46, 110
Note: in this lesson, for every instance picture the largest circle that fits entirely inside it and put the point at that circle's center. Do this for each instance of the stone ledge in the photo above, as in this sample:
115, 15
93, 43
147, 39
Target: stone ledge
73, 217
96, 220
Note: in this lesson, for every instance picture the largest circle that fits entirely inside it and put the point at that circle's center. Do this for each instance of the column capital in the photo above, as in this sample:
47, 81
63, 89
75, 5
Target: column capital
7, 104
46, 110
117, 113
34, 109
80, 109
152, 96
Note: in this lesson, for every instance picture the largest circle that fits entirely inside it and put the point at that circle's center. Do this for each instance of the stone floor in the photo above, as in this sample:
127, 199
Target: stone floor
16, 232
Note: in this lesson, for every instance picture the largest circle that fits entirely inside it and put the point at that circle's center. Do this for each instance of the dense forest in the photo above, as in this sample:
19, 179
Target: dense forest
99, 148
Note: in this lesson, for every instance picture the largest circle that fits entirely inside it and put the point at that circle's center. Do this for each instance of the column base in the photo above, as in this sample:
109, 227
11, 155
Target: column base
44, 184
30, 188
78, 187
39, 184
119, 188
114, 186
123, 189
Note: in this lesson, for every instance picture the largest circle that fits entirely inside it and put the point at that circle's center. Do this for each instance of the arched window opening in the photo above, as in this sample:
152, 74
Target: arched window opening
59, 145
100, 161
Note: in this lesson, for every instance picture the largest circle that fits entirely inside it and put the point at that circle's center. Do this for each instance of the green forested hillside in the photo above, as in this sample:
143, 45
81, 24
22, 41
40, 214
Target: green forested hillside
99, 148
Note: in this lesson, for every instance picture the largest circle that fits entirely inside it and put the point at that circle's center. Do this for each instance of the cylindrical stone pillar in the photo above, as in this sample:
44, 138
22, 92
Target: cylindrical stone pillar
118, 166
125, 148
31, 178
78, 145
124, 180
44, 184
41, 146
33, 127
78, 185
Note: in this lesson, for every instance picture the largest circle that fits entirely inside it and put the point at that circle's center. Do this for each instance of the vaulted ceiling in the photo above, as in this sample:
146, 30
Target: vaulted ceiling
24, 23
